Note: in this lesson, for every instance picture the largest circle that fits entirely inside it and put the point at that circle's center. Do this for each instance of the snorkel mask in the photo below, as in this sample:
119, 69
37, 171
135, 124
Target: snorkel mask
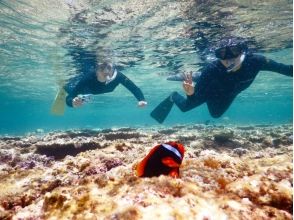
109, 71
228, 52
229, 49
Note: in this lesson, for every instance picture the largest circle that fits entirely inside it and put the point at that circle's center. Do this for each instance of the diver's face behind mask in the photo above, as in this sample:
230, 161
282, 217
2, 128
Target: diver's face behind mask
111, 76
231, 52
228, 52
106, 73
233, 64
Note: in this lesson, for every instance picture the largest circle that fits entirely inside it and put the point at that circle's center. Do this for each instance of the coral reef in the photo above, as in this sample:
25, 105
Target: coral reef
227, 173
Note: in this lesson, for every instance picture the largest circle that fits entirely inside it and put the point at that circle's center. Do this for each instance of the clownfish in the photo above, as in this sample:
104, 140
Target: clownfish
162, 159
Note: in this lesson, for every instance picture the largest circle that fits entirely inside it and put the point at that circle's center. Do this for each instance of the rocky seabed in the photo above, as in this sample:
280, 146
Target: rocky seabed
227, 173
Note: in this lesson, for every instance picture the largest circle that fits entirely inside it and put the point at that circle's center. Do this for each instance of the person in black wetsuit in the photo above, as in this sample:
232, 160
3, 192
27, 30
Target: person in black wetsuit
221, 81
96, 79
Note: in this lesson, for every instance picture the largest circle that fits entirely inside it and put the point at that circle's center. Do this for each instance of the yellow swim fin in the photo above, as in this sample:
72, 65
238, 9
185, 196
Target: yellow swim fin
58, 106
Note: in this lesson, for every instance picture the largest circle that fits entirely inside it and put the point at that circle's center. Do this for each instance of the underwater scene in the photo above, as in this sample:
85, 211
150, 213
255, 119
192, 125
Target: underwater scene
154, 109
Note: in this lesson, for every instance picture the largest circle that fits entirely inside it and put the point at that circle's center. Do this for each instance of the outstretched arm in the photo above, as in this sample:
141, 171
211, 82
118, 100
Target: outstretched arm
271, 65
136, 91
85, 63
73, 88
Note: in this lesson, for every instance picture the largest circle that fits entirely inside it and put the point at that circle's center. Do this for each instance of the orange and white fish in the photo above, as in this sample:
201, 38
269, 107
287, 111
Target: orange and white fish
163, 159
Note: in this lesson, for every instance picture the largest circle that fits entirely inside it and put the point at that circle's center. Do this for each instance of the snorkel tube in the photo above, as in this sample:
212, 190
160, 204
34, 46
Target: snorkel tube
109, 72
234, 65
111, 78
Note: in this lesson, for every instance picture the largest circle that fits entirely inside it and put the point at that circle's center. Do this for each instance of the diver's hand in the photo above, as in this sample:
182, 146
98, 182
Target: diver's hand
142, 103
188, 84
77, 102
81, 99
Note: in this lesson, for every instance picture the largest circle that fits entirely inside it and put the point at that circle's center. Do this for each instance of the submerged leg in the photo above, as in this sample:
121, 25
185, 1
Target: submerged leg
184, 104
162, 110
217, 107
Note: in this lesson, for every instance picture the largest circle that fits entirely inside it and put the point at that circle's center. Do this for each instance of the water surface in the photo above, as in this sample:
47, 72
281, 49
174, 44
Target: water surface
148, 41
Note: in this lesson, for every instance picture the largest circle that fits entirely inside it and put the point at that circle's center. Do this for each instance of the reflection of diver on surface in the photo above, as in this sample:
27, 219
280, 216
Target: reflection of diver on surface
96, 79
221, 81
202, 46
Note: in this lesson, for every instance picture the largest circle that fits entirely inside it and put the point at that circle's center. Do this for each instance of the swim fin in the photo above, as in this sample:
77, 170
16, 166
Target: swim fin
162, 110
58, 106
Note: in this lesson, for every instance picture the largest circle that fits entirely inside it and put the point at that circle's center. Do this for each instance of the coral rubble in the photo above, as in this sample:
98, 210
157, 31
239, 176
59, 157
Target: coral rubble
227, 173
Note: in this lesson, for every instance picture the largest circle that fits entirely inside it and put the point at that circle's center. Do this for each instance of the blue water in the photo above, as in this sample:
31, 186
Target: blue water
147, 46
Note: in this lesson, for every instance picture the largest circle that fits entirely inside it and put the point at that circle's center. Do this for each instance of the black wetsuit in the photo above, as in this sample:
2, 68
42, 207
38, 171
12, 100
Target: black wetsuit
218, 88
87, 83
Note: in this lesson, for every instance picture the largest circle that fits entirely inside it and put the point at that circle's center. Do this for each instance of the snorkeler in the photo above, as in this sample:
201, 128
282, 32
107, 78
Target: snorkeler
92, 79
103, 80
221, 81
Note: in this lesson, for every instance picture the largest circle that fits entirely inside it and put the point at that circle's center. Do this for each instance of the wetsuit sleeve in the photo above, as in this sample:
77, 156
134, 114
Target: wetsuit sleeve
85, 63
271, 65
126, 82
73, 87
